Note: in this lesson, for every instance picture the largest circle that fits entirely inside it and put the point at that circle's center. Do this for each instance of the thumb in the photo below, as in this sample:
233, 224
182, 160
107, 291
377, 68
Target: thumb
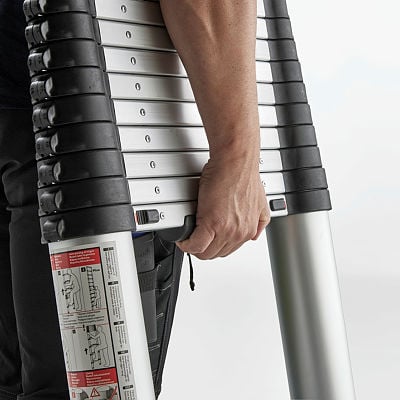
198, 241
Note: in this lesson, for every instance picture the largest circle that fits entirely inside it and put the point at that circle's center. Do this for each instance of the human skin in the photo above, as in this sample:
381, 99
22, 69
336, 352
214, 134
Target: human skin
216, 42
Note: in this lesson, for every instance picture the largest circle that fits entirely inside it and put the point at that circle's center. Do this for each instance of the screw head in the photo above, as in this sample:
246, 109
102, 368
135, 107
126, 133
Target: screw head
147, 138
157, 189
137, 86
133, 60
128, 34
123, 8
142, 112
152, 164
162, 215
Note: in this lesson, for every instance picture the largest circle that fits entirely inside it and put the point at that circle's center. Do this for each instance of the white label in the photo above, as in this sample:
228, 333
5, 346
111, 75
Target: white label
92, 323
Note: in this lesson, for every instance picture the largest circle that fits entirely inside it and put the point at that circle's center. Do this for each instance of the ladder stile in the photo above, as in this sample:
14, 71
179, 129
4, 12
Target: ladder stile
120, 150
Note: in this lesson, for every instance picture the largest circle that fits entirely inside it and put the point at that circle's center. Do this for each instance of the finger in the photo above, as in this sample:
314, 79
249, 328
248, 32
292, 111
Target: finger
228, 250
262, 223
198, 241
213, 250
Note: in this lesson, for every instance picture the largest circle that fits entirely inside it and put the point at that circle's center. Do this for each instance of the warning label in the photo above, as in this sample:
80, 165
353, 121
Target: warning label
92, 321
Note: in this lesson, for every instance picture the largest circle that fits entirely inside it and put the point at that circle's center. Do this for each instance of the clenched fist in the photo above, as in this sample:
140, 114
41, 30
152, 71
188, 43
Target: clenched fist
232, 209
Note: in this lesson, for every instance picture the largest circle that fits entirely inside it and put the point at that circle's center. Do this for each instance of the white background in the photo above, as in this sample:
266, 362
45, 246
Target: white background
225, 341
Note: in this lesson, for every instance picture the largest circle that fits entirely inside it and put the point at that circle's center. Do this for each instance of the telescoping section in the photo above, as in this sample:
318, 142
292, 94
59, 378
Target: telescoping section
112, 101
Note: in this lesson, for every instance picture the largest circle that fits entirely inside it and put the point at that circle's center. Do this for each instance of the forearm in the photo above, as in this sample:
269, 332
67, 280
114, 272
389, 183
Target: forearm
216, 42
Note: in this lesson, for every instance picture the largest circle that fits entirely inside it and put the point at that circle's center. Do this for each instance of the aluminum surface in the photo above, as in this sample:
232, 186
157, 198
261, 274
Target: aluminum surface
145, 165
309, 305
164, 190
130, 112
173, 214
145, 12
138, 87
160, 63
117, 34
179, 139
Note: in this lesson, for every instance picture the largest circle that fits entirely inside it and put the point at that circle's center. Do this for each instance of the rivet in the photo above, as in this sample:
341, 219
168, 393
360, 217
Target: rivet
128, 34
157, 189
142, 112
123, 8
137, 86
133, 60
152, 164
147, 138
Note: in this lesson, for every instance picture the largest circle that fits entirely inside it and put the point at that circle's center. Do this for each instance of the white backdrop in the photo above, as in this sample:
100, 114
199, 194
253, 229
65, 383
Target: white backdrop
225, 341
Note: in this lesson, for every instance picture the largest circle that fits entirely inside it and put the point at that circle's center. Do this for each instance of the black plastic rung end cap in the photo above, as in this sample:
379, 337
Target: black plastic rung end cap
276, 8
87, 222
297, 136
303, 202
301, 157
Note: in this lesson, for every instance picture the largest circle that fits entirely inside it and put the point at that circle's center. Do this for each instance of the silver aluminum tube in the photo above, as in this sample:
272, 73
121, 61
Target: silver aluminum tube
309, 306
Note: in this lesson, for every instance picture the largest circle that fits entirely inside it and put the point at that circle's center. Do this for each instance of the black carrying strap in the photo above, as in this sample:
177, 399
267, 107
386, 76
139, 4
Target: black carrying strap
159, 264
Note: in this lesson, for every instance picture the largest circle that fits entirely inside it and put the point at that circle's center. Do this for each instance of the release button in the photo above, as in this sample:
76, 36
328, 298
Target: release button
277, 204
147, 216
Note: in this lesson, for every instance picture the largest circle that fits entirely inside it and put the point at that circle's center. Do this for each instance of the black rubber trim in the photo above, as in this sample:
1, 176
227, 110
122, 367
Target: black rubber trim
87, 222
73, 81
303, 202
290, 92
70, 110
286, 71
297, 136
79, 166
282, 50
61, 27
35, 8
83, 194
301, 157
293, 114
84, 80
276, 9
71, 53
305, 179
279, 28
79, 137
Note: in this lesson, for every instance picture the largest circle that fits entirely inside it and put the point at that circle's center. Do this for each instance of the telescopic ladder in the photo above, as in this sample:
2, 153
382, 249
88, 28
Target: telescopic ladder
120, 149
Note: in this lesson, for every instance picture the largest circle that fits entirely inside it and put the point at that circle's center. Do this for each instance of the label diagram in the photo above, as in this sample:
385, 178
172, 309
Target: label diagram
92, 323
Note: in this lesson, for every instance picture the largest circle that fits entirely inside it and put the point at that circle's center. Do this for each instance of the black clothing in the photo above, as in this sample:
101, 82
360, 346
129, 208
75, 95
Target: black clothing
14, 75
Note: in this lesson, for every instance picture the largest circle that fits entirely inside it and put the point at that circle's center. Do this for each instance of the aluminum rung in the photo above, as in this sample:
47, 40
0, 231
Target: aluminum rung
143, 165
179, 139
167, 190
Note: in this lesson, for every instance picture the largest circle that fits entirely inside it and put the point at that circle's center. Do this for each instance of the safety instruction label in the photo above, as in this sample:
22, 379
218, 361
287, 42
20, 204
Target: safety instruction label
92, 323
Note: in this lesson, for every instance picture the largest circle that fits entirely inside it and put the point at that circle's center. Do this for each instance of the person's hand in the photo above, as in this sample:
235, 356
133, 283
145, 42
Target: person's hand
232, 209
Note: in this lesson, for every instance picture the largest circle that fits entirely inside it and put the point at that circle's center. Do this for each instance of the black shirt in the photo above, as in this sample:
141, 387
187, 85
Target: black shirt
14, 75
